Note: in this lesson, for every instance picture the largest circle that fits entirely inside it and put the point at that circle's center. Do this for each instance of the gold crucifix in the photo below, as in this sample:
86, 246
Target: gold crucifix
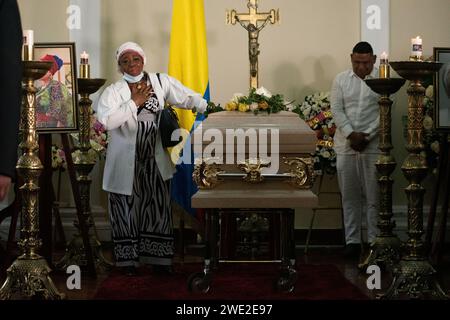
253, 22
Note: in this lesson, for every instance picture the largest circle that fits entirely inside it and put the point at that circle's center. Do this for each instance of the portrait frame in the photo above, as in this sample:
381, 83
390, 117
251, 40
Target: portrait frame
441, 84
57, 92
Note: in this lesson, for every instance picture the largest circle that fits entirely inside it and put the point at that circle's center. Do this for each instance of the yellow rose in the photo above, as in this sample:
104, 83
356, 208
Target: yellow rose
231, 106
263, 105
243, 107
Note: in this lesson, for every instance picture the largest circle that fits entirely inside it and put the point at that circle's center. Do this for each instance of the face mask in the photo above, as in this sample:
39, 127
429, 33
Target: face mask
132, 79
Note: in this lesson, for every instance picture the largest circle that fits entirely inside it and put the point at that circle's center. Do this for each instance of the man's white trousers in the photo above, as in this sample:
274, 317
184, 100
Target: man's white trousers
357, 177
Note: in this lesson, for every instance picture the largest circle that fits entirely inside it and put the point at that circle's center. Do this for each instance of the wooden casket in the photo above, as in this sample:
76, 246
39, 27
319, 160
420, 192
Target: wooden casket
252, 164
243, 160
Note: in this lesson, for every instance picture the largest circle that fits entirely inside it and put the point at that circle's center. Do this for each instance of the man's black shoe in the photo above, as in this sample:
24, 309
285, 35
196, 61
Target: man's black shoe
352, 250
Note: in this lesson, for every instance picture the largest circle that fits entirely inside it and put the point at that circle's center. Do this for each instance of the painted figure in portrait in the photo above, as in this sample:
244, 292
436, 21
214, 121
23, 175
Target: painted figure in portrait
54, 104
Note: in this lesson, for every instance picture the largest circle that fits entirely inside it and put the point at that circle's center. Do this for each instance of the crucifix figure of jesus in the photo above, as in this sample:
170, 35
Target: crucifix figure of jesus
253, 22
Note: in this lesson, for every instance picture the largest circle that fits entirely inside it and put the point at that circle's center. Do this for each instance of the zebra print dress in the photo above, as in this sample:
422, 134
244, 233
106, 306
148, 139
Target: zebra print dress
142, 230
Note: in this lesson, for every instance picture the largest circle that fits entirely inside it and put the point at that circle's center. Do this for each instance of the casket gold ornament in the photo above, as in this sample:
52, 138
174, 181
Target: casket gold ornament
301, 172
206, 174
252, 168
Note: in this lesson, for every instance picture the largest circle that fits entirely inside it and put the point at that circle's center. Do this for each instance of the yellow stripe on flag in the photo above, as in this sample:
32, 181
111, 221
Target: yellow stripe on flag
188, 58
188, 62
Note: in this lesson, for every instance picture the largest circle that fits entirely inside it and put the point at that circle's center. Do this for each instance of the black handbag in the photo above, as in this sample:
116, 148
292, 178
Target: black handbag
168, 122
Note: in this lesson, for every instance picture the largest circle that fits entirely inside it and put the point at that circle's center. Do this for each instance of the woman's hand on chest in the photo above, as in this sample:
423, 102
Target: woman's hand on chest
140, 92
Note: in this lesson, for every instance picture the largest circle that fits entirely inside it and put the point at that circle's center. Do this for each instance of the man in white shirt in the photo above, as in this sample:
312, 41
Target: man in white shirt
355, 111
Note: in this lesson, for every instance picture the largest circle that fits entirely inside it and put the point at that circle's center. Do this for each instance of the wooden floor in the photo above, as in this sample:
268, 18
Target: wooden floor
316, 255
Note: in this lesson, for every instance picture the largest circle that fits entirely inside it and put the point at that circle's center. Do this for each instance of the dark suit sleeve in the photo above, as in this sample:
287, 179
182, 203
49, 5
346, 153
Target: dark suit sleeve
10, 84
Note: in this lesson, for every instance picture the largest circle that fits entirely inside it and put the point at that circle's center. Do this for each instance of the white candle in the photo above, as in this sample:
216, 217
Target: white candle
28, 44
85, 69
416, 50
84, 58
384, 71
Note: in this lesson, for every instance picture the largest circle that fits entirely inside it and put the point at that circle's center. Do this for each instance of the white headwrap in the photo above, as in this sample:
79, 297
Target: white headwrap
130, 46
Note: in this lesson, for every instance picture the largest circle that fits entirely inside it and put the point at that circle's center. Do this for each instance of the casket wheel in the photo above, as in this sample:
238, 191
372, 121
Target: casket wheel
286, 281
199, 282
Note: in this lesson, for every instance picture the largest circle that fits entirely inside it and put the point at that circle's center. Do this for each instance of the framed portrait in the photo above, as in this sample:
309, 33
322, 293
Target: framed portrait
56, 96
442, 89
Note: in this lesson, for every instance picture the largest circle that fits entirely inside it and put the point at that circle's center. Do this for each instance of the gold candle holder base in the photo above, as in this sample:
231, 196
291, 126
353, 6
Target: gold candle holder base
84, 162
385, 250
414, 277
76, 254
28, 276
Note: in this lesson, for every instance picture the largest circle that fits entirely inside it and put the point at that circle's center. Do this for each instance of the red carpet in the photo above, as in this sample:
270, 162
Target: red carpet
236, 281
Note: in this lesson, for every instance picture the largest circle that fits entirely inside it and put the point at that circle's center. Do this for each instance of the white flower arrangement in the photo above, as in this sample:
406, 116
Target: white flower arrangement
315, 104
98, 136
258, 100
315, 111
91, 156
263, 92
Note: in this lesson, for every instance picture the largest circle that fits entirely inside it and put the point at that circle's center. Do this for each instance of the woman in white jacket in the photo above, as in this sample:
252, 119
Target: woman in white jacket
138, 169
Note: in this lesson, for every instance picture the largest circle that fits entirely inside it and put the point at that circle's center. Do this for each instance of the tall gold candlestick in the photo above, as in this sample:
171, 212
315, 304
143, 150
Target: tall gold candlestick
28, 277
414, 276
385, 250
85, 248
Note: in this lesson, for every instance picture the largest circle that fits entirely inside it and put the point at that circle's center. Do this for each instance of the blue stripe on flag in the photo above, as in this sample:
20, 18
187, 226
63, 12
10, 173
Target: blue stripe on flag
183, 186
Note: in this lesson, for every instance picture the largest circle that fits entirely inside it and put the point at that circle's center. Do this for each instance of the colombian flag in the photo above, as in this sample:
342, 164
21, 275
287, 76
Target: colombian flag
188, 62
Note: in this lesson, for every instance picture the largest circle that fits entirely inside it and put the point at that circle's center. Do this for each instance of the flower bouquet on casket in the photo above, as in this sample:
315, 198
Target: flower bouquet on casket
315, 111
258, 100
